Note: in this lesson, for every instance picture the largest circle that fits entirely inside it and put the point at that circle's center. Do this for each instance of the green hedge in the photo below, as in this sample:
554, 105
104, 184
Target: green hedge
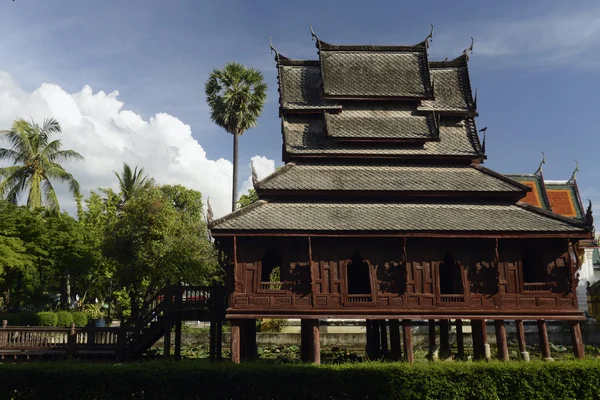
80, 319
202, 380
47, 318
65, 319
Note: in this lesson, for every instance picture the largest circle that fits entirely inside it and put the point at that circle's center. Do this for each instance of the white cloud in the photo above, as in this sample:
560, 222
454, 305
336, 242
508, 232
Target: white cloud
100, 129
263, 167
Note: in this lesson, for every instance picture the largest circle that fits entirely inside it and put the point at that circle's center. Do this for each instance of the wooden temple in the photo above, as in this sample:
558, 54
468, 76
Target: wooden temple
384, 212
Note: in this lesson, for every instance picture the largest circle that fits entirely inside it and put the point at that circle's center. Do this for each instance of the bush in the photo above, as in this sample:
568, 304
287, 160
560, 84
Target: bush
28, 318
258, 380
11, 318
65, 319
47, 318
80, 319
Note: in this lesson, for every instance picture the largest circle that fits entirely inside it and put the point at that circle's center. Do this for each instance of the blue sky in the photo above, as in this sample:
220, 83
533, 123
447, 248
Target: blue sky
536, 64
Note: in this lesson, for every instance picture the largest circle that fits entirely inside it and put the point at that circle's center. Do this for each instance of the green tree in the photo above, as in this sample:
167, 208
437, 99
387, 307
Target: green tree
236, 96
36, 162
248, 198
131, 181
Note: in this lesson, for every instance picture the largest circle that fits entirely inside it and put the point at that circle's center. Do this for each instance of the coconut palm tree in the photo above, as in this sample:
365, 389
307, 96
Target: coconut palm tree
131, 181
36, 162
236, 95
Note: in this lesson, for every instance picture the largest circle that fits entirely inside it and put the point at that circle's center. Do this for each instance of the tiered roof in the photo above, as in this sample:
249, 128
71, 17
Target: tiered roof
379, 139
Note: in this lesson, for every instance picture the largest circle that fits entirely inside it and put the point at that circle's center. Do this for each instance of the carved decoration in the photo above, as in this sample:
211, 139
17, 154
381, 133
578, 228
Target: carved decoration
539, 170
589, 219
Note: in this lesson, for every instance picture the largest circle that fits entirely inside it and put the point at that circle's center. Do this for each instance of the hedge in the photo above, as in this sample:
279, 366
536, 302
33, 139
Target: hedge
47, 318
65, 319
80, 318
157, 380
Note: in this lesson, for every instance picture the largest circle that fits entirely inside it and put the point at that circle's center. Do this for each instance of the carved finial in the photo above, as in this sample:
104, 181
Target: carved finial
273, 49
483, 144
475, 100
315, 37
209, 212
429, 37
469, 49
542, 163
574, 172
254, 175
446, 59
589, 219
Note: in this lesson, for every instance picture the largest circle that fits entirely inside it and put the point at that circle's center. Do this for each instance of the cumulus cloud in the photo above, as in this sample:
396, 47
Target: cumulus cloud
263, 167
99, 127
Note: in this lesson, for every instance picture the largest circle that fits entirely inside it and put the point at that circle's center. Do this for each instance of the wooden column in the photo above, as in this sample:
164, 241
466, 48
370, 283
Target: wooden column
444, 339
478, 343
178, 338
544, 344
501, 340
460, 340
383, 337
431, 335
310, 346
407, 338
521, 336
219, 341
395, 345
373, 339
167, 335
235, 341
249, 339
305, 339
576, 339
212, 341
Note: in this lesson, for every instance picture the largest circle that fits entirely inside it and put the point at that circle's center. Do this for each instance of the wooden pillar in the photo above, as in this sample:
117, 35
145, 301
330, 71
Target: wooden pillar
395, 345
219, 341
431, 335
444, 339
521, 336
310, 346
501, 340
544, 344
249, 340
167, 335
478, 344
235, 341
460, 340
576, 339
178, 338
212, 340
383, 337
373, 339
407, 338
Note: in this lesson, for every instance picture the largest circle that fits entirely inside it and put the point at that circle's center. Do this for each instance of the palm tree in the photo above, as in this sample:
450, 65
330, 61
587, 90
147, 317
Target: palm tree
35, 163
131, 181
236, 95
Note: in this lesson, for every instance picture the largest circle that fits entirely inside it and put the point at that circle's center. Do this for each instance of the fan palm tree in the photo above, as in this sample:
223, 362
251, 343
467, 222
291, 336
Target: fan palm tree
131, 181
236, 95
36, 162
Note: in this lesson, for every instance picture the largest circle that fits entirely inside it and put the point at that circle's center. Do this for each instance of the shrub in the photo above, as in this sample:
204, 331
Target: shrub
28, 318
47, 318
64, 318
11, 318
80, 319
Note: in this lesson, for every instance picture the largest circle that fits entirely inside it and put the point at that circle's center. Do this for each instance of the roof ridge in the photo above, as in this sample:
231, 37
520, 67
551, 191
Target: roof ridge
551, 214
498, 175
278, 172
237, 213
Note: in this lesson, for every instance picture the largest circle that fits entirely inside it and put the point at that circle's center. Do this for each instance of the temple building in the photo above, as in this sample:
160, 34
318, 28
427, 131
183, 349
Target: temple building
384, 212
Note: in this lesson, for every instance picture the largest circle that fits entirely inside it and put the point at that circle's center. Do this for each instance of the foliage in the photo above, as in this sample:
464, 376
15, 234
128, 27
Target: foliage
47, 318
247, 199
273, 325
131, 182
93, 310
80, 319
12, 319
36, 161
260, 380
64, 319
28, 318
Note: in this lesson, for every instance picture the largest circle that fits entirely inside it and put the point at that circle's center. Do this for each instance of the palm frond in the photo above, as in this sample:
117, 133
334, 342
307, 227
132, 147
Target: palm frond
8, 154
57, 172
50, 198
65, 156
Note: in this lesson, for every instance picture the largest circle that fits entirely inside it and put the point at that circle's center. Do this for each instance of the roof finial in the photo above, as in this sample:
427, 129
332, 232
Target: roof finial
483, 144
315, 37
209, 212
574, 172
429, 37
589, 219
254, 175
475, 100
542, 163
469, 49
273, 49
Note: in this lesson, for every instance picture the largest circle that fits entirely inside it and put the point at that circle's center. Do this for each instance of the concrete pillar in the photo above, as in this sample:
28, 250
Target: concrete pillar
407, 338
576, 339
236, 355
395, 345
445, 352
501, 340
544, 344
460, 340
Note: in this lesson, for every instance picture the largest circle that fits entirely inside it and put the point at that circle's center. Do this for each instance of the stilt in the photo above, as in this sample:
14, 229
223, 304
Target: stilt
249, 333
383, 337
576, 339
167, 335
212, 349
478, 343
235, 341
315, 336
178, 338
501, 340
219, 340
305, 339
521, 340
431, 335
445, 339
544, 344
460, 340
395, 345
407, 338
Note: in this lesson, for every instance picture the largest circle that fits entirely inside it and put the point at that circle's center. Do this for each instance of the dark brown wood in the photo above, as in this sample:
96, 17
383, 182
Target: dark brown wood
315, 334
501, 340
304, 340
444, 338
521, 336
460, 341
395, 345
425, 235
178, 339
544, 344
478, 343
407, 339
383, 337
577, 340
236, 355
432, 335
249, 340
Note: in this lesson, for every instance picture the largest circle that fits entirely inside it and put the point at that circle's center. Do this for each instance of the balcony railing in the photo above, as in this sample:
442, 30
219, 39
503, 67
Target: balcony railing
536, 286
272, 285
360, 298
451, 299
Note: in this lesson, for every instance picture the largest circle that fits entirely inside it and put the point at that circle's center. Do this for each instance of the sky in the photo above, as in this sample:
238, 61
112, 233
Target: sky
126, 78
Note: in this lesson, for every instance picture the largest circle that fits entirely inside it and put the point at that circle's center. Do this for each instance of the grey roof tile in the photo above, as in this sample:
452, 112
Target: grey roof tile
452, 90
301, 88
417, 178
392, 217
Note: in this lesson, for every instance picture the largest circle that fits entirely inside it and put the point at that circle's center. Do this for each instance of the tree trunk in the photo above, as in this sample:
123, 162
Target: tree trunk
235, 172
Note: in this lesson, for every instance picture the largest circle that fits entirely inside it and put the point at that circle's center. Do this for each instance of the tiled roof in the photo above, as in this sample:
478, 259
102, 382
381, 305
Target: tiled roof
301, 88
352, 73
305, 135
538, 196
392, 217
564, 199
381, 122
452, 89
413, 178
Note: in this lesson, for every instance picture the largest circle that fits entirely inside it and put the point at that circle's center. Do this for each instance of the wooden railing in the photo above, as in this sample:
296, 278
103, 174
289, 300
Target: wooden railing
272, 285
536, 286
451, 299
360, 298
